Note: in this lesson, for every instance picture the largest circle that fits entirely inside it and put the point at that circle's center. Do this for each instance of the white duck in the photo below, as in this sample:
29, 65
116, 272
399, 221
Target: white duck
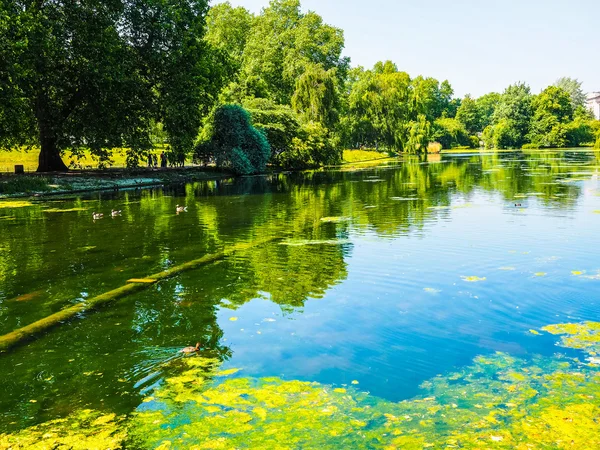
97, 216
115, 213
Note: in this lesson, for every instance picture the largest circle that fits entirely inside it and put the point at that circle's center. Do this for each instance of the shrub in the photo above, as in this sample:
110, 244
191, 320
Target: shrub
233, 142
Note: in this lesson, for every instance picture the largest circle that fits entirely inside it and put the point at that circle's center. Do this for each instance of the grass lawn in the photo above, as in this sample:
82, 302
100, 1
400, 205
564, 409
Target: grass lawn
29, 159
362, 155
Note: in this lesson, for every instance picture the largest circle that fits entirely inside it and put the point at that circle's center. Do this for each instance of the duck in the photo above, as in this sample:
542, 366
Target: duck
96, 215
115, 213
181, 208
189, 350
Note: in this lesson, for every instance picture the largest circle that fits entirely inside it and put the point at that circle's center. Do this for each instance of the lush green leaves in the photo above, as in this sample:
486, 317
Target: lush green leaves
234, 143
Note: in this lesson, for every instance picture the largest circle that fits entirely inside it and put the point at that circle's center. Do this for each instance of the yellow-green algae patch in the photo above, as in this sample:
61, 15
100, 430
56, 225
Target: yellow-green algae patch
14, 204
584, 336
498, 401
473, 279
83, 430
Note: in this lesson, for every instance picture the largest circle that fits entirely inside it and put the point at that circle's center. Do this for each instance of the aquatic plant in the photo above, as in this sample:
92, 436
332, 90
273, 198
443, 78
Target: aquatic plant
498, 401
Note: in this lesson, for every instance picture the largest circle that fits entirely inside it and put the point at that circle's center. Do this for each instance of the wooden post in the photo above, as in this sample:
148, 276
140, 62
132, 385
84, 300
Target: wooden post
19, 168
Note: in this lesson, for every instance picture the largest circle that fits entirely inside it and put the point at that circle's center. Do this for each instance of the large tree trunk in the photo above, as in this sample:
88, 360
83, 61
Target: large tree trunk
50, 160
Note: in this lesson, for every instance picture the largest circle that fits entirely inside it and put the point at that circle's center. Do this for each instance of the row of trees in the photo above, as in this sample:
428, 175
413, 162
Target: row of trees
128, 73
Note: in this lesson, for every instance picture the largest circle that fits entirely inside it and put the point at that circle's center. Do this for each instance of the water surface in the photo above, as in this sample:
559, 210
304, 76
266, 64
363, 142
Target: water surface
367, 278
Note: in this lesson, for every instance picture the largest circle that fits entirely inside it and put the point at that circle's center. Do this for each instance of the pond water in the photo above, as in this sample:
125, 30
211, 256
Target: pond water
380, 277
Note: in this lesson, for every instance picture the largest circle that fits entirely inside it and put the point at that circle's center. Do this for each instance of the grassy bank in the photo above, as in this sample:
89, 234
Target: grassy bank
351, 156
86, 161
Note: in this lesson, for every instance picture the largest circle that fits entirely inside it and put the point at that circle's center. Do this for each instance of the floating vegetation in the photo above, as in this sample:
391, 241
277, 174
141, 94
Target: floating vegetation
14, 204
57, 210
577, 273
597, 211
498, 401
540, 274
335, 219
432, 290
584, 336
82, 430
473, 279
233, 319
302, 243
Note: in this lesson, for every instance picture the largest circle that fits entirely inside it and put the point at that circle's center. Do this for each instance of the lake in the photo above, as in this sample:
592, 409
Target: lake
398, 304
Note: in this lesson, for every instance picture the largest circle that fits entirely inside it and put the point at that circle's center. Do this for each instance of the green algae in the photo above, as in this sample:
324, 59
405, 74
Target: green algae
83, 430
583, 336
499, 401
473, 279
14, 204
305, 242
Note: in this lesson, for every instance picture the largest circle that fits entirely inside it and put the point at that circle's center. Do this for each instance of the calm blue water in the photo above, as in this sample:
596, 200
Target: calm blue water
372, 293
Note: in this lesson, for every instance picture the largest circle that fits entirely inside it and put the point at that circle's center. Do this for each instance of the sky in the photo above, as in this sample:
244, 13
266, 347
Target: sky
479, 46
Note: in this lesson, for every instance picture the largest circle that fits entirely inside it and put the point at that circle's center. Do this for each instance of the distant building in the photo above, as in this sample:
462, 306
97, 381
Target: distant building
593, 102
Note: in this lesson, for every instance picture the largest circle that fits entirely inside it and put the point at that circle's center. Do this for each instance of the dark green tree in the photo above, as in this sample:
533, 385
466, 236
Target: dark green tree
100, 74
235, 143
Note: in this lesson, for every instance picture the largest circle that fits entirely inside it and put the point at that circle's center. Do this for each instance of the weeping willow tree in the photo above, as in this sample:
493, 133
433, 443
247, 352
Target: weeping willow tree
316, 98
418, 135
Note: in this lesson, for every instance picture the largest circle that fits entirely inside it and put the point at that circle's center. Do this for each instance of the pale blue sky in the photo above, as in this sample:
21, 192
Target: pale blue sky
479, 46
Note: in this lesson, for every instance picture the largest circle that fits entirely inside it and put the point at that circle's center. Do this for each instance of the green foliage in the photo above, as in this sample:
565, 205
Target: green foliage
83, 74
418, 135
312, 148
227, 28
284, 42
553, 109
573, 88
468, 115
315, 98
450, 133
512, 117
235, 144
279, 123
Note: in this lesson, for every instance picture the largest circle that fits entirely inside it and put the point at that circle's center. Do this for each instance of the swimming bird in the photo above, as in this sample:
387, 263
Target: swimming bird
96, 216
115, 213
188, 350
181, 208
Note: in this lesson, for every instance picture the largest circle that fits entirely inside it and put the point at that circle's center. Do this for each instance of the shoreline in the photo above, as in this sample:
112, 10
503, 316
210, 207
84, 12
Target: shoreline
77, 182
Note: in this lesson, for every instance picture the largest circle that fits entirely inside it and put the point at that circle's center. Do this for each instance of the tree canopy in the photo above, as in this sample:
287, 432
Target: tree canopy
134, 73
95, 75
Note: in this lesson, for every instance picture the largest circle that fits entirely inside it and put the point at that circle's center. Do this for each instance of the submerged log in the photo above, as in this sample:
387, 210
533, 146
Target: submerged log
35, 329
